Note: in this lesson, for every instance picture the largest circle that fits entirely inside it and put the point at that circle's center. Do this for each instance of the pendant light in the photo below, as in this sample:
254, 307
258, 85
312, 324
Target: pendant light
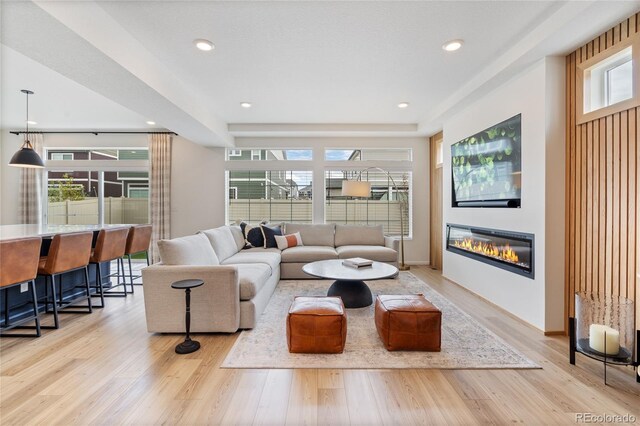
26, 157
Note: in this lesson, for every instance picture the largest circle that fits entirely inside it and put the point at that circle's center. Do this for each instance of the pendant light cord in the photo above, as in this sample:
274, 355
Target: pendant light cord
27, 115
27, 142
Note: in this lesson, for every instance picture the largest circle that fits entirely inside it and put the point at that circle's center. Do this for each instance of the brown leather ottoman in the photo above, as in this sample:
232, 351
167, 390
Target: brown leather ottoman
408, 323
316, 325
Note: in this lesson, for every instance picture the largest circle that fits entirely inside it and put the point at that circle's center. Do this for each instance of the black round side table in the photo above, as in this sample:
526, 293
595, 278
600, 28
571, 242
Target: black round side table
188, 345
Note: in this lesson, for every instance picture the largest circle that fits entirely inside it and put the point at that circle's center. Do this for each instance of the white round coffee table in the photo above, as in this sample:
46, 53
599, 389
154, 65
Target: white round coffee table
350, 282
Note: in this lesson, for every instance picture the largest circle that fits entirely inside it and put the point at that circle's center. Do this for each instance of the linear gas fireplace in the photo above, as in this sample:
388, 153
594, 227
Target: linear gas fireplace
508, 250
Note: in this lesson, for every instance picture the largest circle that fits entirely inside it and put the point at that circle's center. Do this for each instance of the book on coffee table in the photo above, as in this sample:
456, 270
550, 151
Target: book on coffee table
357, 262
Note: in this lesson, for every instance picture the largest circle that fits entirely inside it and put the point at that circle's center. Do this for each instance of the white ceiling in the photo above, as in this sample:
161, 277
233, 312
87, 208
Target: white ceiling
326, 62
311, 62
58, 102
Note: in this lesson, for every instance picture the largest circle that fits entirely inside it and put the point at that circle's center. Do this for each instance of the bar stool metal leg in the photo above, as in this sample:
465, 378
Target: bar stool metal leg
124, 277
86, 284
6, 307
56, 321
99, 286
130, 271
34, 299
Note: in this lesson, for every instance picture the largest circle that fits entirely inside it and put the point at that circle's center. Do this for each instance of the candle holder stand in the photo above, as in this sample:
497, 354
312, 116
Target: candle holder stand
604, 329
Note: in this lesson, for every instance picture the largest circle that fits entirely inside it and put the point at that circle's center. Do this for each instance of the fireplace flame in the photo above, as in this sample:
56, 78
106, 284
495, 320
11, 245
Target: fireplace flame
505, 252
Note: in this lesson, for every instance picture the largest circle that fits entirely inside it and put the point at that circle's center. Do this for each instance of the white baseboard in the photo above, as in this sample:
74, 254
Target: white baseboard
418, 263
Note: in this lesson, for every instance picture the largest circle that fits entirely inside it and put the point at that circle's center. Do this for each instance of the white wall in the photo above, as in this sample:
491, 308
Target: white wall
197, 187
537, 94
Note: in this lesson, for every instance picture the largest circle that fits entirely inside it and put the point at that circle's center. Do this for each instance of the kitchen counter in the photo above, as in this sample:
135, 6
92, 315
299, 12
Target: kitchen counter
13, 232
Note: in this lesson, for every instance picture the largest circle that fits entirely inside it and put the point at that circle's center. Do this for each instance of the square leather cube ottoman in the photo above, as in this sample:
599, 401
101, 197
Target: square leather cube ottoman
408, 323
316, 325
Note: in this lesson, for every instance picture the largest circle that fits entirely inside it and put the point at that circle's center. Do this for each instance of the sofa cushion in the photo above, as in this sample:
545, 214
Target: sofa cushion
308, 254
269, 234
313, 235
252, 235
377, 253
269, 257
288, 241
222, 242
252, 277
236, 231
189, 250
353, 235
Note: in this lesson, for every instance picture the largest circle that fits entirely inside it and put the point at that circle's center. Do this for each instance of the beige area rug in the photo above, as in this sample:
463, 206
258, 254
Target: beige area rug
465, 343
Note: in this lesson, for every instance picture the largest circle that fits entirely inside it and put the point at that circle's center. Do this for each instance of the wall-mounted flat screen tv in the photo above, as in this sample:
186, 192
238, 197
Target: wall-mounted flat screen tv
486, 168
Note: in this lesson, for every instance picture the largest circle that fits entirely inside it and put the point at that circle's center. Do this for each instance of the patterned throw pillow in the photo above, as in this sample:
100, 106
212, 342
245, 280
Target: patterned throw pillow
287, 241
252, 235
269, 233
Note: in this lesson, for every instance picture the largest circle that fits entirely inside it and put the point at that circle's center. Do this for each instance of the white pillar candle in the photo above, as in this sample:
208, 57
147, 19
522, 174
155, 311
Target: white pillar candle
597, 339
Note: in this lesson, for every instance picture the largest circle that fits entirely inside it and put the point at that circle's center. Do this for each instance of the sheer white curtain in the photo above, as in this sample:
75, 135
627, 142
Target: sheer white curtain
160, 181
30, 210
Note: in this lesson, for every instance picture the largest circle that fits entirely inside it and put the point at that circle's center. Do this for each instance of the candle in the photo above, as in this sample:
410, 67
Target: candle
597, 339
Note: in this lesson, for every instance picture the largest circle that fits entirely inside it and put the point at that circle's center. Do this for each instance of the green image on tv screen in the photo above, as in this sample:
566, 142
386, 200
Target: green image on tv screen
488, 166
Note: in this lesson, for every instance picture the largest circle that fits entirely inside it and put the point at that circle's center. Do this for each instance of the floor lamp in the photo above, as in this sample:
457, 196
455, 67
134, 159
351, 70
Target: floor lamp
362, 189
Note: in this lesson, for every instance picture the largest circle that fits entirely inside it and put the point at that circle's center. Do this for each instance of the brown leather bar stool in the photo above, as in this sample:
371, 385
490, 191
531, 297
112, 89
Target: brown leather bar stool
67, 252
138, 241
109, 246
19, 265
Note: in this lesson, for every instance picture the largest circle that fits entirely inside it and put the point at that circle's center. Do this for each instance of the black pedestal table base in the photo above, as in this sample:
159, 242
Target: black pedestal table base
354, 294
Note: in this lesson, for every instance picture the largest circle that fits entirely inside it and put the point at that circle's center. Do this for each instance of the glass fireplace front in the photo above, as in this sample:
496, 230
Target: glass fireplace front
512, 251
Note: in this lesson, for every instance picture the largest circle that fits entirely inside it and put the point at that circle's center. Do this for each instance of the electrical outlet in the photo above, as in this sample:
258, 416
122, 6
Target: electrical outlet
24, 287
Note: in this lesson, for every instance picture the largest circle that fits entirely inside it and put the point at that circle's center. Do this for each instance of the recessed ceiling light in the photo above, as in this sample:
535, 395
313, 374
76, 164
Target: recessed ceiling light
403, 104
31, 122
203, 44
453, 45
245, 104
151, 123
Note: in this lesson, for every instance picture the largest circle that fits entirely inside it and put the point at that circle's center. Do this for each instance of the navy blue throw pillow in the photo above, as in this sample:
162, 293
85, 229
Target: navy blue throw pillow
252, 235
269, 233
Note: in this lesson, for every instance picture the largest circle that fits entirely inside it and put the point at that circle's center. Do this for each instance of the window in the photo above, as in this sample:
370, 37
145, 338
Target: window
272, 195
609, 81
368, 154
389, 204
283, 190
618, 82
61, 156
271, 154
92, 193
605, 82
108, 154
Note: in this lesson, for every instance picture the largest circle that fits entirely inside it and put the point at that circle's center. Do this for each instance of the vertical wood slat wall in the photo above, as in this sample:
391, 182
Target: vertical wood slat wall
602, 189
435, 249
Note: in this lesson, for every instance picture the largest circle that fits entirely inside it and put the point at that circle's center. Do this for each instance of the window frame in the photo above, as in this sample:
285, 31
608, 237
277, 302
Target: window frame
583, 82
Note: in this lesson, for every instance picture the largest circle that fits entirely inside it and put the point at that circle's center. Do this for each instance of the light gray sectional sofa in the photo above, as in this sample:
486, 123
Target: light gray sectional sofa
239, 282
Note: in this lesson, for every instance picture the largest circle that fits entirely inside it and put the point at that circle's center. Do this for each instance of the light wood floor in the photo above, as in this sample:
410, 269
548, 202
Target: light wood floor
105, 368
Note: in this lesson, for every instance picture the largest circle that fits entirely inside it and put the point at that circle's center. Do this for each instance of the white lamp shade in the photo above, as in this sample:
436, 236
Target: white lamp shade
356, 188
